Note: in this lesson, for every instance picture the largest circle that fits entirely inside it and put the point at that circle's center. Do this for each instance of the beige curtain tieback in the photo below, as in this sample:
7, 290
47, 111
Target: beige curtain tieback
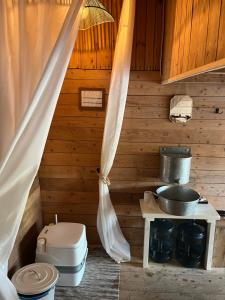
104, 179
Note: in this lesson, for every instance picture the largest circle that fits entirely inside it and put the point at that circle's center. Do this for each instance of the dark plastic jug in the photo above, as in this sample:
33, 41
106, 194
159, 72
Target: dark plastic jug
190, 244
161, 240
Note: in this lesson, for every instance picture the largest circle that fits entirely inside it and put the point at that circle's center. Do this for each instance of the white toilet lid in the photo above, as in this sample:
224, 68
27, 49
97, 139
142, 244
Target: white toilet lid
35, 278
64, 235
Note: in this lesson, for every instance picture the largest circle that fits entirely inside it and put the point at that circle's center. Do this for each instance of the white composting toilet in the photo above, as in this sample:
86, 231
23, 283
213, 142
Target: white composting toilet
65, 246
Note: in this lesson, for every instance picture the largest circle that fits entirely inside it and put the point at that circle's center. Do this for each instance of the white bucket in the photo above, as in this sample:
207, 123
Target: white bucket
36, 281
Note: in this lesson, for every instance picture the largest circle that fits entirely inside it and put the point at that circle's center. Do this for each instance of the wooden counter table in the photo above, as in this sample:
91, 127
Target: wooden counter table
151, 211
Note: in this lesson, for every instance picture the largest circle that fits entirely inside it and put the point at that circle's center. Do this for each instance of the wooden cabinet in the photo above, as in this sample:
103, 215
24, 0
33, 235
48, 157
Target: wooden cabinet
194, 40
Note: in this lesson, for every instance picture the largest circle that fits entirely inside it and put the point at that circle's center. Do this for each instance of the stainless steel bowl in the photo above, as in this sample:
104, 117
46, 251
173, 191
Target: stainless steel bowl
178, 200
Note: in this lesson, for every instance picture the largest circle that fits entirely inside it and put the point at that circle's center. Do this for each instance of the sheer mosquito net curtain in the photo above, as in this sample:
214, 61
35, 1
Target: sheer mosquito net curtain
37, 39
108, 227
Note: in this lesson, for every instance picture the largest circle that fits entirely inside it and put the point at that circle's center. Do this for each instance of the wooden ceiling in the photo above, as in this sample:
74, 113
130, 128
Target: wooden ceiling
95, 47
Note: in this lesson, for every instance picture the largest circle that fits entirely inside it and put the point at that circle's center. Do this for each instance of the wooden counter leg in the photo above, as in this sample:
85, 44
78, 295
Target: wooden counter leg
146, 243
209, 244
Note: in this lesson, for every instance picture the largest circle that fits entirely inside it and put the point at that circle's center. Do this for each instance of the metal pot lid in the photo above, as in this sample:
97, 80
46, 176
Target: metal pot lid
35, 278
178, 193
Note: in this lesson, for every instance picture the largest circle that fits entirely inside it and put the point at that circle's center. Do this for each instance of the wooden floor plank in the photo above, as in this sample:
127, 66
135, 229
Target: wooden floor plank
161, 281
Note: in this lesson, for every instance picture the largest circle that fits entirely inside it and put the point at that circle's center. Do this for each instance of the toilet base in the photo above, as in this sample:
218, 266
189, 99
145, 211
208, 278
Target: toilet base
71, 276
67, 279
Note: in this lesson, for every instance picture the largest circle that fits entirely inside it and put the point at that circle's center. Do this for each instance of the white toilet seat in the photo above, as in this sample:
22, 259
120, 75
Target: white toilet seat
63, 235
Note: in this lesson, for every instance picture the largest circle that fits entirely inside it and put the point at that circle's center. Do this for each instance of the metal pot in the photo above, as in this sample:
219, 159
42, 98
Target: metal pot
178, 200
175, 164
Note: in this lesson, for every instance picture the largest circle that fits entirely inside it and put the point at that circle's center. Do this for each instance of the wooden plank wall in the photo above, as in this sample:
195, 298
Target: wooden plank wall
94, 48
69, 184
24, 249
194, 37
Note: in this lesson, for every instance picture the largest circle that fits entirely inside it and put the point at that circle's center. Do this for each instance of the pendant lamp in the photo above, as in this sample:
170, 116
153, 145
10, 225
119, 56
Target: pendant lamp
94, 13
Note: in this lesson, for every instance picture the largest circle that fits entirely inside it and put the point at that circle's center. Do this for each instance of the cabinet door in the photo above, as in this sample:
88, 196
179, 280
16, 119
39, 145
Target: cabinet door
194, 40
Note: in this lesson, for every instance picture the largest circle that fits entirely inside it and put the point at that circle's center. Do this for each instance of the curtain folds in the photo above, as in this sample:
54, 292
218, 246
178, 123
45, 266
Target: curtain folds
37, 40
107, 223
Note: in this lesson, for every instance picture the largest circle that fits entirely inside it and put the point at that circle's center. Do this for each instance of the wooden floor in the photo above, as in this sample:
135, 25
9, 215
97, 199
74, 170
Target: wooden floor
161, 282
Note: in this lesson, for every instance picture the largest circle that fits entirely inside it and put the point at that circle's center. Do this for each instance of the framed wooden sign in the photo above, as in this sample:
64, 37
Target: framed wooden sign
92, 99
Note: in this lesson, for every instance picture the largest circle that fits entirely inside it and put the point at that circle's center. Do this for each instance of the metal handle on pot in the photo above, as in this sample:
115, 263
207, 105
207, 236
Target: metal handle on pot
202, 200
221, 213
155, 195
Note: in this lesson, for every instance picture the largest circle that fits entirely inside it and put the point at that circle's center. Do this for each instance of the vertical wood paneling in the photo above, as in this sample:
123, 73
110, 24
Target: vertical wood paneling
150, 32
202, 31
158, 34
94, 48
180, 35
177, 34
133, 57
186, 27
221, 41
197, 45
104, 42
140, 34
88, 57
213, 29
116, 11
195, 37
168, 38
75, 58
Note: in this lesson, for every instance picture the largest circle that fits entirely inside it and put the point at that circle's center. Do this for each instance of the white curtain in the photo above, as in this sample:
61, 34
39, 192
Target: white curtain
37, 39
108, 226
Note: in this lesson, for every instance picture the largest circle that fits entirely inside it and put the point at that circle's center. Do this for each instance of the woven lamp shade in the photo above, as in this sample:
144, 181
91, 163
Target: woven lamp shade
94, 13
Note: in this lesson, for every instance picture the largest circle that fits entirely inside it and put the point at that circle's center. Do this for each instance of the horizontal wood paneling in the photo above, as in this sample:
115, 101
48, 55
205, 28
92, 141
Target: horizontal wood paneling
54, 165
94, 48
193, 38
69, 182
